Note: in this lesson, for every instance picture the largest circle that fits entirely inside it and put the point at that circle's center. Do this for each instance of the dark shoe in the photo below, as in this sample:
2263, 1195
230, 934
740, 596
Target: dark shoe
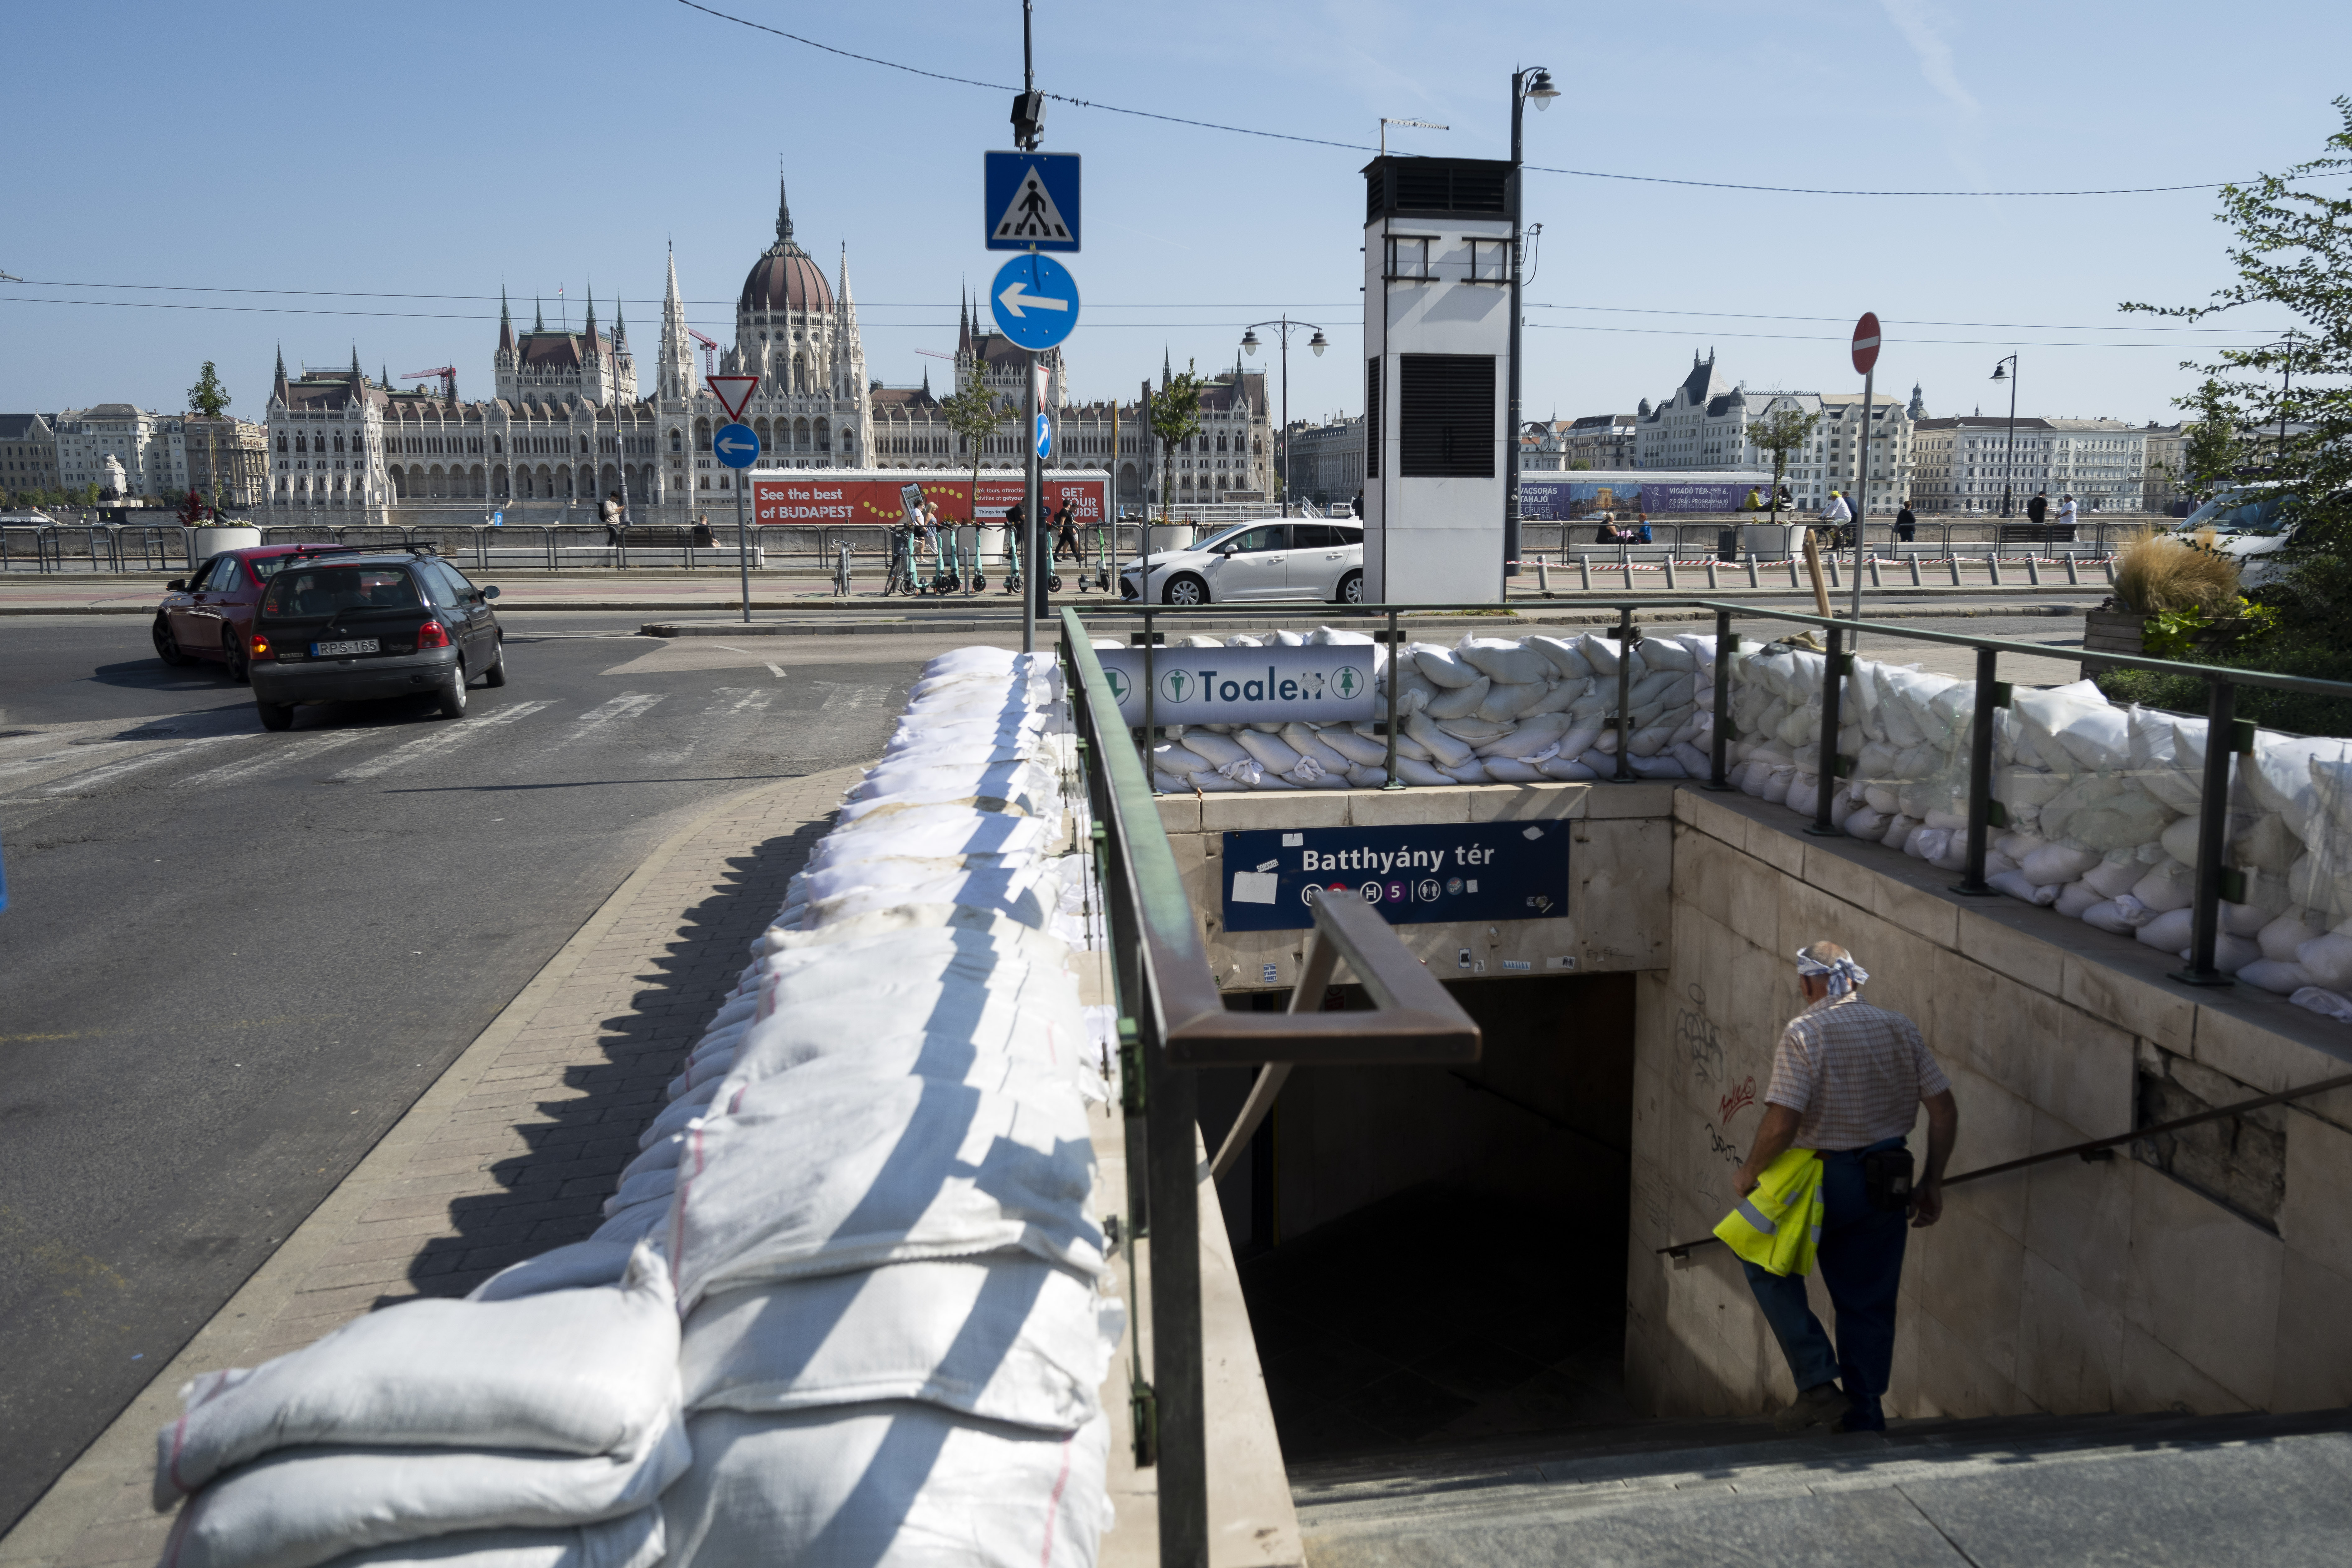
1854, 1421
1821, 1403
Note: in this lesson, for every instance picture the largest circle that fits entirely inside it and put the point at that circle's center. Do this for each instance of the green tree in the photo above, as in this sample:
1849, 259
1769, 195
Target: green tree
971, 412
2210, 454
2291, 249
1175, 417
208, 396
1783, 429
1581, 466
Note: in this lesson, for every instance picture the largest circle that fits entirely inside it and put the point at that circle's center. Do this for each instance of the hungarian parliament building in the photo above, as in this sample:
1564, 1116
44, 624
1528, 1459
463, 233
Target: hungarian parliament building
568, 426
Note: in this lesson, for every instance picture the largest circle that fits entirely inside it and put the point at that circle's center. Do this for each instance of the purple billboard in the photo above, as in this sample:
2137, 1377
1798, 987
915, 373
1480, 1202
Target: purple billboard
1572, 497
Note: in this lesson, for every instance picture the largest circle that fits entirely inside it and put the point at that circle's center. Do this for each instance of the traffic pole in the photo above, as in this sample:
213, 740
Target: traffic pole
742, 544
1035, 585
1862, 489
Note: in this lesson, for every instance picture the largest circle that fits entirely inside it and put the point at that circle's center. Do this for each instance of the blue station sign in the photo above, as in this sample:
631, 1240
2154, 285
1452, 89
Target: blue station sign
1414, 876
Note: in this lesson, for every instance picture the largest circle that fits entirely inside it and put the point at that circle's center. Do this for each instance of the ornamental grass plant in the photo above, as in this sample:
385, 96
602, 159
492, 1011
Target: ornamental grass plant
2160, 572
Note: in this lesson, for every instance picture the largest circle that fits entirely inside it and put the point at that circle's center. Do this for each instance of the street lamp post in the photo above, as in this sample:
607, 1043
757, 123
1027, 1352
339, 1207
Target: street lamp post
1318, 342
2006, 370
1534, 82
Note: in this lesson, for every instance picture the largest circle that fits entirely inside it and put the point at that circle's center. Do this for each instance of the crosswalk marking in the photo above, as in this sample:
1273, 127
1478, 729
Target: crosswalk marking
98, 777
850, 699
740, 698
449, 733
289, 753
34, 764
628, 705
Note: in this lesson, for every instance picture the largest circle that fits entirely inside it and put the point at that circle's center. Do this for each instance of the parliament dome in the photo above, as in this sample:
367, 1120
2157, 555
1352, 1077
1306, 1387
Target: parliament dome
784, 278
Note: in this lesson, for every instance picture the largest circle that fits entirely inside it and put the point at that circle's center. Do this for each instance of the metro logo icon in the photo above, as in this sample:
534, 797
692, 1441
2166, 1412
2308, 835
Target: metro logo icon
1313, 682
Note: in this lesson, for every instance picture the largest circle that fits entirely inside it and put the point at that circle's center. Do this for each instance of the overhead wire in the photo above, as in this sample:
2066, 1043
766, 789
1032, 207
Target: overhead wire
1362, 147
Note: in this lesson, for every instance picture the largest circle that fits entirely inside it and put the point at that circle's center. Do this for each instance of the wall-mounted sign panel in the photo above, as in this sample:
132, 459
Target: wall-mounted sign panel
1313, 682
1457, 872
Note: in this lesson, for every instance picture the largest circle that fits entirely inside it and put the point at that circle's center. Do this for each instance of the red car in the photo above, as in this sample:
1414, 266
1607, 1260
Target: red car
208, 613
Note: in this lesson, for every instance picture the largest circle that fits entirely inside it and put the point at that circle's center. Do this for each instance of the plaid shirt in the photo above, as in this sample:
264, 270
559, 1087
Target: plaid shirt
1854, 1073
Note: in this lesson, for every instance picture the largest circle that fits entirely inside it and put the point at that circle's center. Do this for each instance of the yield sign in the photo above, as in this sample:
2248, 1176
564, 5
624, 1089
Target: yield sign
1866, 343
733, 392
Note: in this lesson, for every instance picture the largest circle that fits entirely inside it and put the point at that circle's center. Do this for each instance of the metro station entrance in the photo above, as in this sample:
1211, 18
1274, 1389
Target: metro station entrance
1436, 1258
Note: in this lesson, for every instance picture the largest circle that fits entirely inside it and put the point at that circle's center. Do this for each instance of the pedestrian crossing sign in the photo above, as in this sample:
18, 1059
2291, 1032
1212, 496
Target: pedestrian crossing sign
1031, 201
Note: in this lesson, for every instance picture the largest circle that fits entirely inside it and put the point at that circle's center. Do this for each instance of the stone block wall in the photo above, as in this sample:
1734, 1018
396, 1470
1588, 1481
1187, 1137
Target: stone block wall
2216, 1283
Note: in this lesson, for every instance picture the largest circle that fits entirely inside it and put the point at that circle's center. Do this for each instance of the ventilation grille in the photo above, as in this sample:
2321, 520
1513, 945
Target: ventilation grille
1372, 417
1445, 420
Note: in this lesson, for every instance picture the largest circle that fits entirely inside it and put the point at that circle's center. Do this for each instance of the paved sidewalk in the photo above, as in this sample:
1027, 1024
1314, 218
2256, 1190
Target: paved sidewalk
512, 1152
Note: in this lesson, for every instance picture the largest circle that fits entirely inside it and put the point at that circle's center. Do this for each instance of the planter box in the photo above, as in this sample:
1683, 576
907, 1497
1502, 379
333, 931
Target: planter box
2122, 631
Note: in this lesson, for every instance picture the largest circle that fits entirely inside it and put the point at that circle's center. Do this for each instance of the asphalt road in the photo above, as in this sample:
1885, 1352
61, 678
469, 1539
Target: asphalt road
231, 960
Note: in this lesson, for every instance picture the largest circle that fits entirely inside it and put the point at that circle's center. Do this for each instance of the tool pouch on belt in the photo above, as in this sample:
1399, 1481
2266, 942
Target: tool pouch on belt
1887, 1181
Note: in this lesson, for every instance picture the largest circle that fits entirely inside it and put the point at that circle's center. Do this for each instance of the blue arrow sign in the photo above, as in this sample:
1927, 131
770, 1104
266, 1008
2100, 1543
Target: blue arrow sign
1031, 201
1045, 435
737, 446
1035, 300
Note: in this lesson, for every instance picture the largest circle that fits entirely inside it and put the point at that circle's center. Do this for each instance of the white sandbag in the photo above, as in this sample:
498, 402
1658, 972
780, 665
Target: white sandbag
2084, 732
1362, 777
988, 839
2108, 917
1507, 702
1581, 737
1510, 770
1009, 1337
1470, 771
2169, 932
1867, 823
1336, 637
1658, 768
1559, 698
1444, 666
2155, 761
1505, 661
2230, 954
1601, 653
1564, 658
574, 1372
1270, 752
1217, 783
574, 1266
2329, 958
2281, 777
2077, 897
835, 1167
2014, 884
2282, 940
2328, 1003
1461, 701
1524, 741
296, 1507
1567, 768
1804, 795
2279, 978
1475, 732
647, 1222
1415, 771
1304, 740
1215, 749
1285, 637
1695, 763
2055, 865
1776, 783
894, 1485
2112, 875
635, 1542
2265, 844
2244, 920
1929, 843
1899, 831
1177, 761
1442, 748
2167, 887
662, 1154
1168, 784
1668, 653
1025, 894
1353, 746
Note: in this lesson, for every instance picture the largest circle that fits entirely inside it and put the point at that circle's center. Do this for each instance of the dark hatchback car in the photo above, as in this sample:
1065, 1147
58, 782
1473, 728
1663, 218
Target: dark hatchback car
346, 628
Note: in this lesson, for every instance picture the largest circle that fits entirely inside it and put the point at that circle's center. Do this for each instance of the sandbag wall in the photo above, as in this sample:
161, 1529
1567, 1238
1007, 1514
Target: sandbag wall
1487, 711
852, 1306
2102, 807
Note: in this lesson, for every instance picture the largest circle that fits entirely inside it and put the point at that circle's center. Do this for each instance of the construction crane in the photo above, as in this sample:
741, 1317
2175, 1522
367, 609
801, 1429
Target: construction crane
709, 347
448, 372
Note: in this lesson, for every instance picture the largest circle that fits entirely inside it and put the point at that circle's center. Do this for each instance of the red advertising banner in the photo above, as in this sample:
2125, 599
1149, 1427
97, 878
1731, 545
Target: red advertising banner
835, 497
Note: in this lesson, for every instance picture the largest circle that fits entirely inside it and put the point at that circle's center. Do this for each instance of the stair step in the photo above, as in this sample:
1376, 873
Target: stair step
2164, 1489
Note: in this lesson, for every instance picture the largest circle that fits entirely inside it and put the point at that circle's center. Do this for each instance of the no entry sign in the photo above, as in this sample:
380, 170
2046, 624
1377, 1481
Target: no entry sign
1866, 343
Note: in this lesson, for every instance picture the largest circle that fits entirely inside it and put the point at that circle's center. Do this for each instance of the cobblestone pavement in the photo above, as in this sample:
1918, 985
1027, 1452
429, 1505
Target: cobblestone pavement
512, 1152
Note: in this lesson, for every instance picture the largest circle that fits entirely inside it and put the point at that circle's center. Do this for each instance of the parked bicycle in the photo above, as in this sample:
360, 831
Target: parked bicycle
905, 576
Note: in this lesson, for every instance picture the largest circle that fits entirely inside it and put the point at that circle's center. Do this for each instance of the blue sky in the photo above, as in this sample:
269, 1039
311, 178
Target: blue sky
435, 149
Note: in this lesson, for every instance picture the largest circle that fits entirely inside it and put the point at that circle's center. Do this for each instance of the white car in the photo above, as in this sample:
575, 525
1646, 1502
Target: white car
1269, 560
2248, 523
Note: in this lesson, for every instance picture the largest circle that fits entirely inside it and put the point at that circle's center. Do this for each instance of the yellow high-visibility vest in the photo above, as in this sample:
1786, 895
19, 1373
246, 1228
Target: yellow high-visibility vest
1779, 1226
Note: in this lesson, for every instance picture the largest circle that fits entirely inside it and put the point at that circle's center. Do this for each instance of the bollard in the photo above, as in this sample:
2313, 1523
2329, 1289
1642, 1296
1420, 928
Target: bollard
1992, 564
2072, 579
1915, 572
1753, 581
1543, 576
2034, 571
1584, 567
1726, 643
1825, 758
1954, 563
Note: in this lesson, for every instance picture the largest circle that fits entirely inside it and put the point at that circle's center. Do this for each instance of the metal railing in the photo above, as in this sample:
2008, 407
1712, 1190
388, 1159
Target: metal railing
93, 547
1171, 1019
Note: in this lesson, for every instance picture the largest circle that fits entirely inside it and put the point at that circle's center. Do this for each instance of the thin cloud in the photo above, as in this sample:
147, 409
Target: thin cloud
1918, 25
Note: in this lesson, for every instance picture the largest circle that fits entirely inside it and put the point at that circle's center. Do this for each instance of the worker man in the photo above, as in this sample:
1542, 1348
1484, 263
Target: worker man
1848, 1080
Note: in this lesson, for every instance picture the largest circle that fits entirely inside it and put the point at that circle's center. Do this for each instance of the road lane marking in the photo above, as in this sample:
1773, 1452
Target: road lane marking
628, 705
99, 777
778, 669
290, 753
451, 732
850, 699
740, 698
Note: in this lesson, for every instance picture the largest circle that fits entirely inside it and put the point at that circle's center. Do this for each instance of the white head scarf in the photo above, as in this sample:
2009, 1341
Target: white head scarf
1843, 974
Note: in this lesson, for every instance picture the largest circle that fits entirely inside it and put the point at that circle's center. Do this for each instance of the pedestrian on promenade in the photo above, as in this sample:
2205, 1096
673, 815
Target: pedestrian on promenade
2038, 508
611, 512
702, 529
2066, 514
1906, 526
1641, 534
1755, 502
1066, 534
1848, 1080
1835, 516
1607, 533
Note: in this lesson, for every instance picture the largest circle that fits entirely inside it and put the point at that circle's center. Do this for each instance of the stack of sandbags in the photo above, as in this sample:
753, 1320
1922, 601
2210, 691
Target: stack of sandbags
2101, 805
873, 1174
1485, 711
533, 1432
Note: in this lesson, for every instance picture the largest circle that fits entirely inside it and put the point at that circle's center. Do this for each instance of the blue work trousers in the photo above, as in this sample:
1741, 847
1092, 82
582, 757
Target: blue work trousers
1860, 1261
